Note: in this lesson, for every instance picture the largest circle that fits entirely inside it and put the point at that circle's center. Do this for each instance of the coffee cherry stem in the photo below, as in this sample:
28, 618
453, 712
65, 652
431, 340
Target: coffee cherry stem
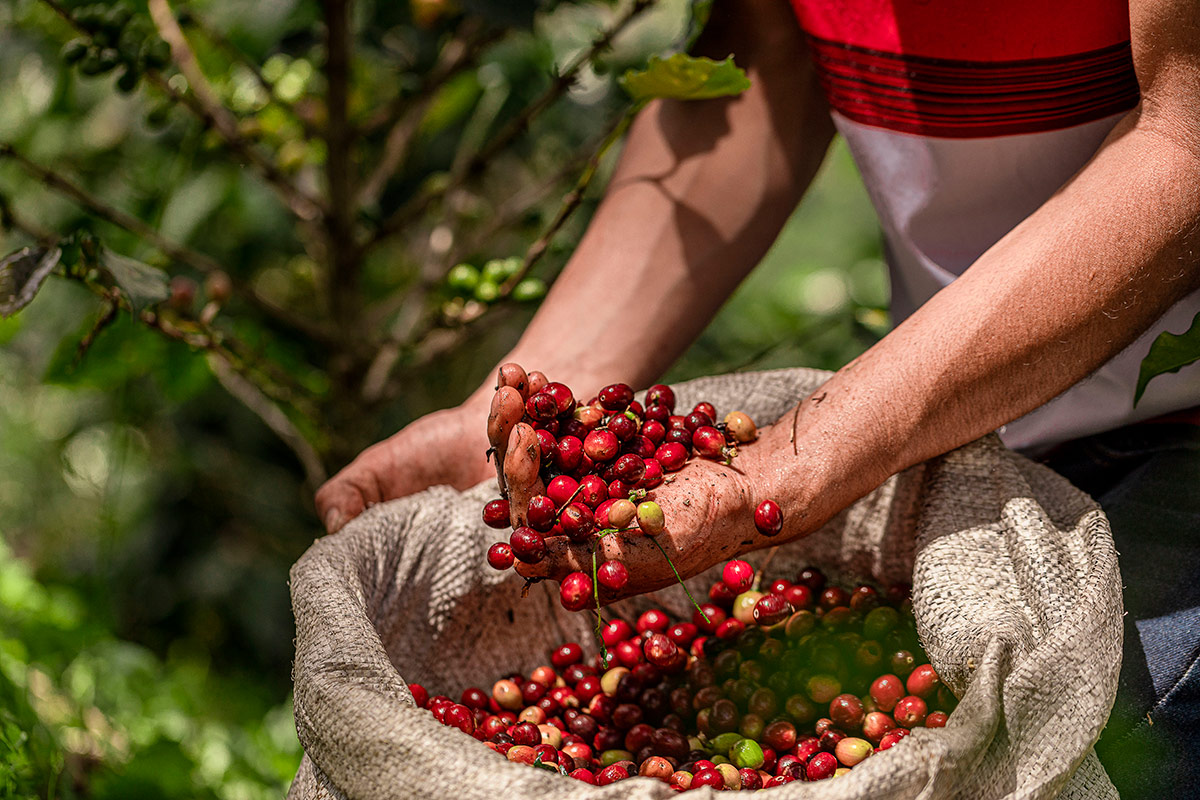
599, 631
679, 578
758, 575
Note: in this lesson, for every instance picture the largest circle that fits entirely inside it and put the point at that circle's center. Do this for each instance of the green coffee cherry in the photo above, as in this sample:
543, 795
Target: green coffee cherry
127, 81
529, 290
487, 291
747, 753
74, 50
498, 270
463, 278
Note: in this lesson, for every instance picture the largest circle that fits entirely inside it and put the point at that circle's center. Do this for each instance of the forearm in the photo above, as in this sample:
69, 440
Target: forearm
1053, 300
700, 194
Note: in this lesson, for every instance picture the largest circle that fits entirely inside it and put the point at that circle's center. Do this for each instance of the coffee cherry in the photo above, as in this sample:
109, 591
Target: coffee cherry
741, 427
615, 397
708, 617
629, 468
737, 576
182, 293
568, 453
709, 442
507, 694
798, 596
708, 777
660, 650
770, 609
653, 621
566, 655
622, 427
621, 514
575, 593
500, 556
562, 395
902, 663
584, 775
890, 738
613, 575
592, 492
672, 456
528, 545
496, 514
750, 779
540, 513
875, 725
936, 719
653, 475
601, 446
886, 691
561, 489
661, 395
769, 519
577, 522
547, 444
852, 751
910, 711
846, 711
541, 407
650, 518
923, 682
820, 767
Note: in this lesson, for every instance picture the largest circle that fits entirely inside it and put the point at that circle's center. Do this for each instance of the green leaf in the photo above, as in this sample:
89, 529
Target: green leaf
143, 284
22, 274
1170, 353
685, 77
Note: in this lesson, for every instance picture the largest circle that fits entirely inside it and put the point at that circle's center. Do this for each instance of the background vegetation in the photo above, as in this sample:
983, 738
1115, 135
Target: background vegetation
147, 514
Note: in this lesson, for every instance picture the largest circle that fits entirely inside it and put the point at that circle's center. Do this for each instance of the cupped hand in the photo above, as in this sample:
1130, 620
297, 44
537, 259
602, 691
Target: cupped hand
709, 511
445, 447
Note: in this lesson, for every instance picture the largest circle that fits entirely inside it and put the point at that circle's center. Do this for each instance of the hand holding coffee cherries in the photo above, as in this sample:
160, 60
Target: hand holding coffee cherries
616, 496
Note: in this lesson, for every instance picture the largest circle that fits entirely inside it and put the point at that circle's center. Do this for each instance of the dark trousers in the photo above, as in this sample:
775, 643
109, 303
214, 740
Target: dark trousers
1147, 479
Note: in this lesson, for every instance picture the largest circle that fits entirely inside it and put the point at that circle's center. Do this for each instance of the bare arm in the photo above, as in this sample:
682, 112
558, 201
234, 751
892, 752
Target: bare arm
701, 191
1054, 299
1062, 293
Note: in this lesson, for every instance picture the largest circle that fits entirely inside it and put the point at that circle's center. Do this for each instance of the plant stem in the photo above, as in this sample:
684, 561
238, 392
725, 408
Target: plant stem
679, 578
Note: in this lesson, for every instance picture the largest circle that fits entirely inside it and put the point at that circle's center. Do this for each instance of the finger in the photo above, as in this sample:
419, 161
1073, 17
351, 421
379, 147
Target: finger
339, 500
537, 381
521, 463
507, 409
512, 374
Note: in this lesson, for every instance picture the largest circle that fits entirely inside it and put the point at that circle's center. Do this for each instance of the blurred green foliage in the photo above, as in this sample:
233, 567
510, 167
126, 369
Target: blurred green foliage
147, 519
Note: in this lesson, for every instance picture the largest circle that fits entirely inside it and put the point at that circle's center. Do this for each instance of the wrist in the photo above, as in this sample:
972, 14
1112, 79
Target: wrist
812, 473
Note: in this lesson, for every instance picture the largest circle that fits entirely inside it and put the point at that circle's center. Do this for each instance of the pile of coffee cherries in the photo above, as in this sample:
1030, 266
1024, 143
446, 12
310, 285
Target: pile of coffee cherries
800, 681
597, 466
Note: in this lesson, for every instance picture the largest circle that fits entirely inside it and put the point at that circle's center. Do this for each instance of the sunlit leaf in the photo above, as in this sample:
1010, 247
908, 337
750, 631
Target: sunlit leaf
142, 284
685, 77
1170, 352
22, 274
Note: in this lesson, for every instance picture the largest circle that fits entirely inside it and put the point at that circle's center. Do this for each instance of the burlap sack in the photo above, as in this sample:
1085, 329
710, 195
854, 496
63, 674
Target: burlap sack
1016, 593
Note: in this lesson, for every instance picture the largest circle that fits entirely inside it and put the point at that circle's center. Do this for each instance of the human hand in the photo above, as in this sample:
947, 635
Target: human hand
445, 447
709, 509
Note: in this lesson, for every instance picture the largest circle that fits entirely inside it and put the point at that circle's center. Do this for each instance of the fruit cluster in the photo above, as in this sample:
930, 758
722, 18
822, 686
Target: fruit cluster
800, 682
116, 38
587, 470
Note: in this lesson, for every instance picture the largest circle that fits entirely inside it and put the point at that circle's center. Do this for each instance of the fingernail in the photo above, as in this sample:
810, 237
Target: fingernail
334, 520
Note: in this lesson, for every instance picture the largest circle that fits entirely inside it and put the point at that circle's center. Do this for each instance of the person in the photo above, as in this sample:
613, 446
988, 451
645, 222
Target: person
1036, 170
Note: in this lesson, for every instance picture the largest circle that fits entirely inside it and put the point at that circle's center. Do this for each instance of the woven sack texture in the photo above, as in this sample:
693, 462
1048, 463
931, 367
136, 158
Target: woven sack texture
1016, 593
